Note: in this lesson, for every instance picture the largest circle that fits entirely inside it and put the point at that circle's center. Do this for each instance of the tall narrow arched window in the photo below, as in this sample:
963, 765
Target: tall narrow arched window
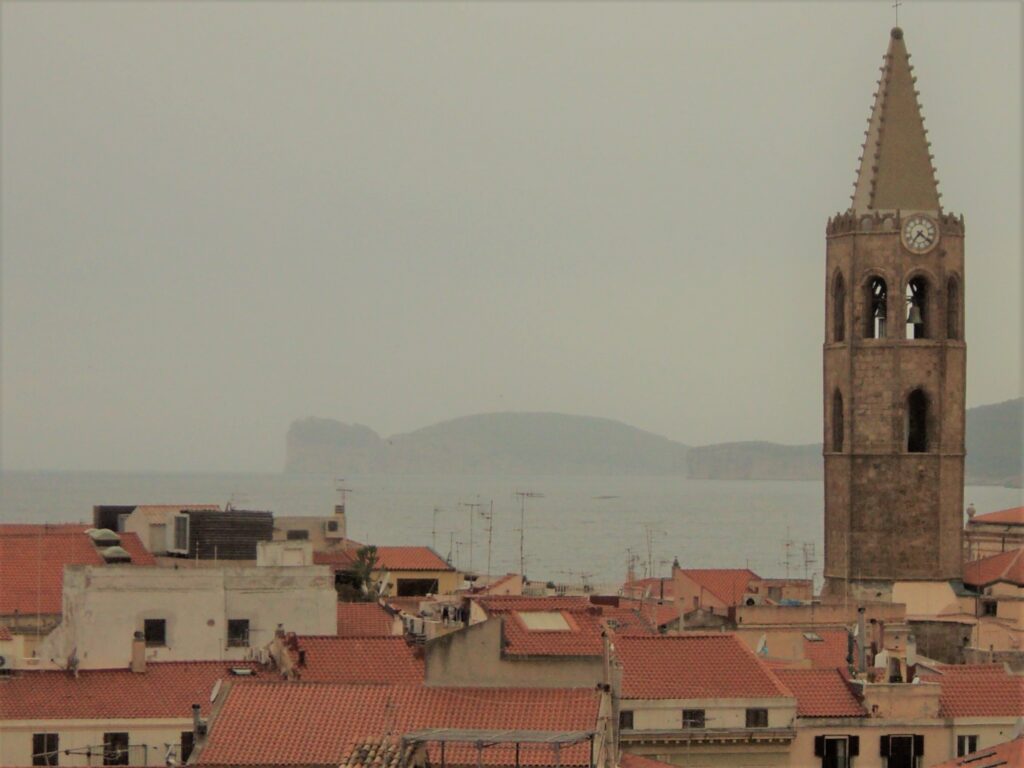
876, 304
839, 308
917, 422
918, 319
953, 309
837, 422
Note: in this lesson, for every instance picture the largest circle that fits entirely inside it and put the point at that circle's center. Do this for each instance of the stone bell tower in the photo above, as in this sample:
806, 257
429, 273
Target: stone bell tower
894, 360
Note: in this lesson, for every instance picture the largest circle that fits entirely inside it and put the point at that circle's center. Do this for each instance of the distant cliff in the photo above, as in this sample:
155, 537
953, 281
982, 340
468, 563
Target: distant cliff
513, 443
557, 444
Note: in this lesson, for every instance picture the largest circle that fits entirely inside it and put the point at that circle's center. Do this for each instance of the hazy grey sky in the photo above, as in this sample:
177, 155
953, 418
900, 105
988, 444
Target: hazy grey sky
218, 217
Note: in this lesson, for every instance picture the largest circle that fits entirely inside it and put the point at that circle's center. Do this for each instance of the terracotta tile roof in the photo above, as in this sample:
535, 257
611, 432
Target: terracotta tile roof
1009, 754
491, 603
727, 584
1006, 566
5, 633
1012, 516
658, 614
389, 660
411, 559
630, 618
821, 693
364, 620
32, 565
627, 760
338, 559
978, 690
165, 689
694, 666
581, 638
282, 724
830, 652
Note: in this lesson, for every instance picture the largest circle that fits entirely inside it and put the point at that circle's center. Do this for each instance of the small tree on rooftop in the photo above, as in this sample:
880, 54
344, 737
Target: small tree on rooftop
362, 570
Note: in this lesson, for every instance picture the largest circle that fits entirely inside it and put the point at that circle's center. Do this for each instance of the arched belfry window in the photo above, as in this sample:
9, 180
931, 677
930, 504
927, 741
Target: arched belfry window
917, 422
877, 308
839, 308
953, 309
837, 422
917, 308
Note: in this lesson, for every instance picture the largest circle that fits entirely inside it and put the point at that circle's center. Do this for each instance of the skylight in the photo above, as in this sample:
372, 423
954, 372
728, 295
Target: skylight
544, 621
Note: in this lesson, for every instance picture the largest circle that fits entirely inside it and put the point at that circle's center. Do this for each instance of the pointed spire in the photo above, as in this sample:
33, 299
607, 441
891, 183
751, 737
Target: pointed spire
896, 166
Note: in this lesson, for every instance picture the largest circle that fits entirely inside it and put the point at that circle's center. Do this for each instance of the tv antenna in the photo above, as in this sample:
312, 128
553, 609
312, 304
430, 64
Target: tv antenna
523, 496
339, 487
488, 516
474, 507
433, 529
649, 531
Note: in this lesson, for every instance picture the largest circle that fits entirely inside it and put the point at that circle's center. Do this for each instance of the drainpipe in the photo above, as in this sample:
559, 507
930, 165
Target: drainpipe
861, 640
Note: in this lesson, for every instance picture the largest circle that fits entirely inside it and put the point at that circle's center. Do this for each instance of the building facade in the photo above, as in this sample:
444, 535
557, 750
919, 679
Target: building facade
894, 360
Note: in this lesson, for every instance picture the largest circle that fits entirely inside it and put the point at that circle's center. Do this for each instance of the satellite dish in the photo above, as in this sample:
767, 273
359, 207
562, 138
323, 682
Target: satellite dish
215, 691
762, 646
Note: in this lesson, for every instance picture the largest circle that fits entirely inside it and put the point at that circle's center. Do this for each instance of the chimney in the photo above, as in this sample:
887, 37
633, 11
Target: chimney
198, 724
138, 653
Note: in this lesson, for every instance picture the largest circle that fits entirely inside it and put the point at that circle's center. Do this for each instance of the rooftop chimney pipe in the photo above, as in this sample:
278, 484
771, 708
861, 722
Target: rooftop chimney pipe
138, 653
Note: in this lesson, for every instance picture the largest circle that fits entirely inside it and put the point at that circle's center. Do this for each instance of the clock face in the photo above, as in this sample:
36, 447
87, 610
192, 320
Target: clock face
919, 234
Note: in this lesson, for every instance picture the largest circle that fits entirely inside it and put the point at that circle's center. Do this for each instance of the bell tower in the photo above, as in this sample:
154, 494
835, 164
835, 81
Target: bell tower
894, 360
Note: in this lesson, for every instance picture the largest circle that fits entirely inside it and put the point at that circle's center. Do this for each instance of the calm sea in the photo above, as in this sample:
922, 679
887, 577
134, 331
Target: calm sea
582, 528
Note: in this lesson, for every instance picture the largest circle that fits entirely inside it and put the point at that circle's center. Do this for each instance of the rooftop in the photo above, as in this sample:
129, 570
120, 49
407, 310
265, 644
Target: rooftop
1006, 566
978, 690
388, 559
1012, 516
386, 660
1009, 754
821, 693
32, 560
364, 620
326, 722
727, 584
694, 666
165, 689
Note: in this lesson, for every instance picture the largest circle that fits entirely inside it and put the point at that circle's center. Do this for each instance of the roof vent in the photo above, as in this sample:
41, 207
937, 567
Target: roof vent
242, 671
103, 537
116, 554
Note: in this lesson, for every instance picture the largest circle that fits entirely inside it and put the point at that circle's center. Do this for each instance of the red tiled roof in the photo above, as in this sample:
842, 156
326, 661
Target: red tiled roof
338, 559
32, 566
389, 660
821, 693
694, 666
165, 689
978, 690
1009, 754
630, 618
830, 652
284, 724
411, 559
1006, 566
658, 614
727, 584
627, 760
491, 603
583, 638
1012, 516
364, 620
661, 588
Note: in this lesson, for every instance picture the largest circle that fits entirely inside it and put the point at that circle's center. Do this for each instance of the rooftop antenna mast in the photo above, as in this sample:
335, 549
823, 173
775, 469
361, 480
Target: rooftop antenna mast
488, 516
474, 507
339, 487
649, 531
433, 529
523, 496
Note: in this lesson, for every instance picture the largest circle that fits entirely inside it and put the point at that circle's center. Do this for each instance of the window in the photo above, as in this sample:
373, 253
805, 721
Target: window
989, 608
965, 745
757, 718
238, 633
839, 309
693, 718
298, 535
155, 632
837, 422
181, 533
836, 751
901, 751
45, 747
917, 422
115, 748
188, 742
953, 309
877, 308
917, 309
416, 587
626, 720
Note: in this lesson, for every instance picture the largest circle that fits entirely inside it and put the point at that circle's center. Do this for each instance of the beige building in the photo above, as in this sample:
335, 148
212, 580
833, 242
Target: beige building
994, 533
184, 615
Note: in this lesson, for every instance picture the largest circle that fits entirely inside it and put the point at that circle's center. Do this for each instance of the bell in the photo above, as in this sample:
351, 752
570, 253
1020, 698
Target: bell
914, 315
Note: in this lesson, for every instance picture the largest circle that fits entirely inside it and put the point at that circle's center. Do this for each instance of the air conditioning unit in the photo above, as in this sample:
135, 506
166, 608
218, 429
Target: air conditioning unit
332, 530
